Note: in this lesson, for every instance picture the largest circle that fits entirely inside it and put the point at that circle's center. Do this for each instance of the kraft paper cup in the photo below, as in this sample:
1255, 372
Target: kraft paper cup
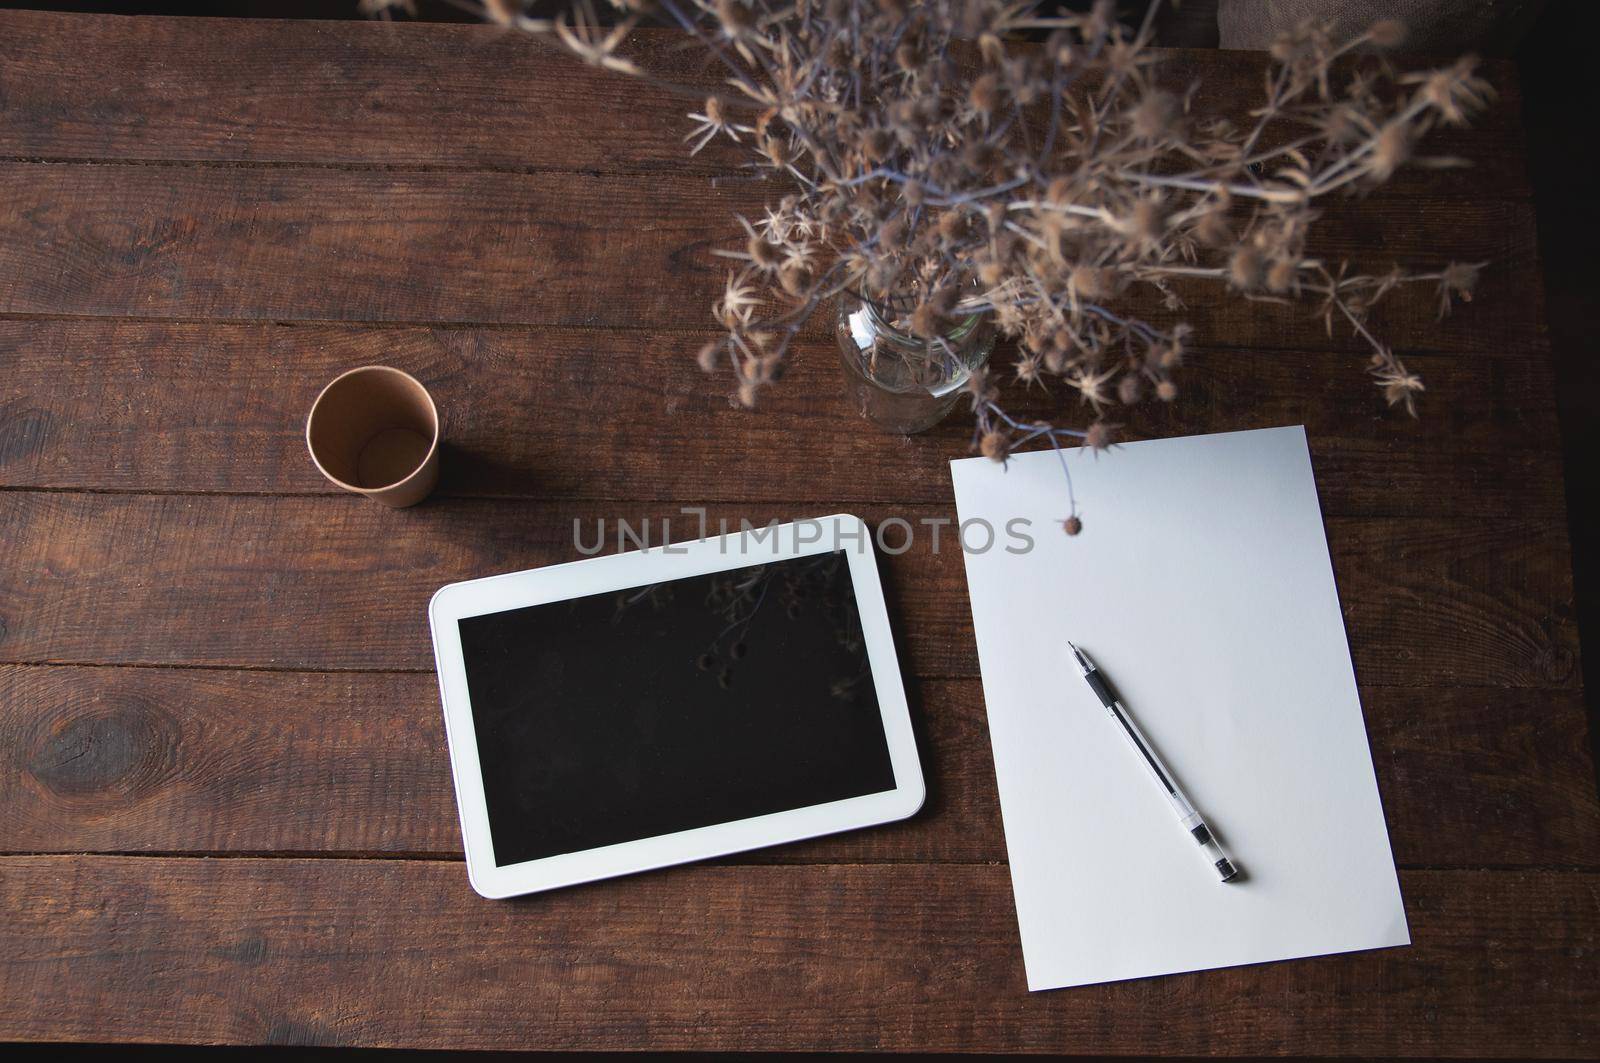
375, 431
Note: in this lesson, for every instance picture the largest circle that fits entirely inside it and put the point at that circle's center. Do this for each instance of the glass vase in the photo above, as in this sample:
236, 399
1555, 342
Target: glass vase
899, 381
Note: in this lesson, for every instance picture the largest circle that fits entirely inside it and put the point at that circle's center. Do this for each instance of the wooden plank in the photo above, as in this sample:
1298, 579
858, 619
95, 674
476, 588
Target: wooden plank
161, 241
466, 97
562, 413
194, 760
898, 957
339, 583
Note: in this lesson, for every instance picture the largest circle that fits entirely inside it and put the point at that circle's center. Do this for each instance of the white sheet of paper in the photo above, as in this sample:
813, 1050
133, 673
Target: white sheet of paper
1201, 586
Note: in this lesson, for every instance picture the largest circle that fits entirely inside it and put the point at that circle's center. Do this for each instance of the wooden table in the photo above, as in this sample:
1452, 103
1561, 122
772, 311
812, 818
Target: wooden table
225, 809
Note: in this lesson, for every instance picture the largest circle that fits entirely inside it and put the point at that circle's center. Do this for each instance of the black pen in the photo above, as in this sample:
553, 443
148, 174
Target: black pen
1158, 770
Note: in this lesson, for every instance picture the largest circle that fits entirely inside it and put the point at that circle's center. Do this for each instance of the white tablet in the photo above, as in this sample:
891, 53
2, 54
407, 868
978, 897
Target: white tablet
648, 708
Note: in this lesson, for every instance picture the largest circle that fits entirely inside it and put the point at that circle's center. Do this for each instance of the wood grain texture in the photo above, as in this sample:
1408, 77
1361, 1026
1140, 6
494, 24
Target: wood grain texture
201, 221
567, 413
194, 760
469, 97
333, 583
280, 244
383, 952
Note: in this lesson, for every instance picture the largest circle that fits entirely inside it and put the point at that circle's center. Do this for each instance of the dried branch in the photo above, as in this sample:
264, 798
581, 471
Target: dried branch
960, 157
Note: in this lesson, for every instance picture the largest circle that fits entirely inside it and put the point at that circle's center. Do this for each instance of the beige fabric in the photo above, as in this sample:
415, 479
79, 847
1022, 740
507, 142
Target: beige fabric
1434, 26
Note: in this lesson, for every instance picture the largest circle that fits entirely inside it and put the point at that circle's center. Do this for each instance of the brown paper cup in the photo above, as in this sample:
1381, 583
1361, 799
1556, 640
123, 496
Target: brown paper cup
375, 431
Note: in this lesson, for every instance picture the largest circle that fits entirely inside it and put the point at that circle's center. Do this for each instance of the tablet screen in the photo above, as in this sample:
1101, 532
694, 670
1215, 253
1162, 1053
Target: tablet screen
684, 704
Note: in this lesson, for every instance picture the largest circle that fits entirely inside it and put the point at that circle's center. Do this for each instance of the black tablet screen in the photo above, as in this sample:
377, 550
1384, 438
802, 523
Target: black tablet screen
703, 700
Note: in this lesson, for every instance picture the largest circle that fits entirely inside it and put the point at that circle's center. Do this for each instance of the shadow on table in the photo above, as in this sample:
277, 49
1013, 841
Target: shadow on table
1560, 96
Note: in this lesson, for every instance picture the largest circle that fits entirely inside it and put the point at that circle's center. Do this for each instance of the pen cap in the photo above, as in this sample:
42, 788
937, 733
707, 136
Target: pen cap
1208, 844
1218, 858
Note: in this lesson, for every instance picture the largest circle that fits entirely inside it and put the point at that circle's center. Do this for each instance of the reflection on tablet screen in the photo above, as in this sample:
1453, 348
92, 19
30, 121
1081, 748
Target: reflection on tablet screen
684, 704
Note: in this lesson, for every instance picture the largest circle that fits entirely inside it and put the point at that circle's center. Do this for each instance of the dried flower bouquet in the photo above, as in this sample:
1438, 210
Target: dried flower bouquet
962, 157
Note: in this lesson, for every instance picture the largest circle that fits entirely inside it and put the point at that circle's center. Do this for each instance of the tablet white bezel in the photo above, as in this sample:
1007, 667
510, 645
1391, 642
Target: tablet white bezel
615, 572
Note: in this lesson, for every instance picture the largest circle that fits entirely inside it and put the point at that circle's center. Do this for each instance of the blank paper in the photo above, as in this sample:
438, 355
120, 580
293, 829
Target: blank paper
1201, 587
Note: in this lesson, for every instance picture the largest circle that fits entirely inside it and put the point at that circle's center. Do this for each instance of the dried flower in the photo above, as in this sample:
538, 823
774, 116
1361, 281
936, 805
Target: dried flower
764, 253
1092, 282
1458, 279
1282, 275
1400, 387
502, 12
1042, 183
1454, 92
795, 277
1129, 389
1213, 230
984, 96
1245, 268
1092, 385
926, 321
1387, 33
995, 445
734, 18
709, 122
1392, 149
709, 356
738, 303
1155, 116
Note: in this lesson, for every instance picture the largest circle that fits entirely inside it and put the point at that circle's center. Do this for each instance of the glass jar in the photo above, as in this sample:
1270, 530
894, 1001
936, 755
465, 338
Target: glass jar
899, 381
